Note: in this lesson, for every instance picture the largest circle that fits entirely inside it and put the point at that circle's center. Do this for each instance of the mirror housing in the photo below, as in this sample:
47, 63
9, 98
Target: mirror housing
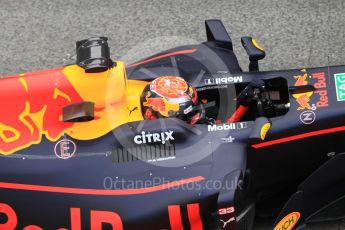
261, 127
254, 51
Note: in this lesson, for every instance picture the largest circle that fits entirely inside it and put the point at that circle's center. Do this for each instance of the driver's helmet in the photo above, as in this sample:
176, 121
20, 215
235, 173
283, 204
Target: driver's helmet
170, 96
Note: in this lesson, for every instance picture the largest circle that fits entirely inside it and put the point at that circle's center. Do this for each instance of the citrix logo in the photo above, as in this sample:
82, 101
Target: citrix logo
161, 137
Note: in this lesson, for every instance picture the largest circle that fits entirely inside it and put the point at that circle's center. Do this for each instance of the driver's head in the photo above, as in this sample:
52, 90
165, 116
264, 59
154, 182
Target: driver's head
169, 96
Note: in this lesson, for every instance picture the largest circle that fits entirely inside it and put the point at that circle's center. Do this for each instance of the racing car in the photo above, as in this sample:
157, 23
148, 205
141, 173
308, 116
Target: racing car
184, 139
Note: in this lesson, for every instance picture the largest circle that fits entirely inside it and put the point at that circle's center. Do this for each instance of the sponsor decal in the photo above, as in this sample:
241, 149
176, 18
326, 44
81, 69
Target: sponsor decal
65, 149
321, 89
304, 99
32, 110
161, 105
90, 218
210, 87
340, 86
97, 219
231, 126
161, 137
288, 222
193, 216
226, 222
229, 139
307, 117
224, 211
223, 77
264, 129
223, 80
227, 217
132, 110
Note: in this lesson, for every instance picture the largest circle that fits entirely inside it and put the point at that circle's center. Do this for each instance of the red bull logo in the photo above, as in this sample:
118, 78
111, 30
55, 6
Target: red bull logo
301, 80
321, 89
98, 218
304, 99
30, 110
156, 104
161, 105
31, 105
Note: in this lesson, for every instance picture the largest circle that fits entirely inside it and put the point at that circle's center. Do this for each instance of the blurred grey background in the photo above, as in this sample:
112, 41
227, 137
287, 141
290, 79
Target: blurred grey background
41, 34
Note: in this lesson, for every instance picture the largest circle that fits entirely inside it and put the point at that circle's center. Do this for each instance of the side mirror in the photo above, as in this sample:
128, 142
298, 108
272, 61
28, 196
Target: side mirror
254, 51
261, 127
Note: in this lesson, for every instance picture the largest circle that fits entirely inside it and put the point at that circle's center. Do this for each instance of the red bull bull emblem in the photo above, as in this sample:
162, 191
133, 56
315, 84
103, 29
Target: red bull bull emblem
156, 104
32, 103
33, 110
304, 99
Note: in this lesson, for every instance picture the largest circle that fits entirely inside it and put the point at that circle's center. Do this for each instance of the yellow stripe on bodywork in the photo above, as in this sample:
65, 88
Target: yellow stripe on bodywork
257, 45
